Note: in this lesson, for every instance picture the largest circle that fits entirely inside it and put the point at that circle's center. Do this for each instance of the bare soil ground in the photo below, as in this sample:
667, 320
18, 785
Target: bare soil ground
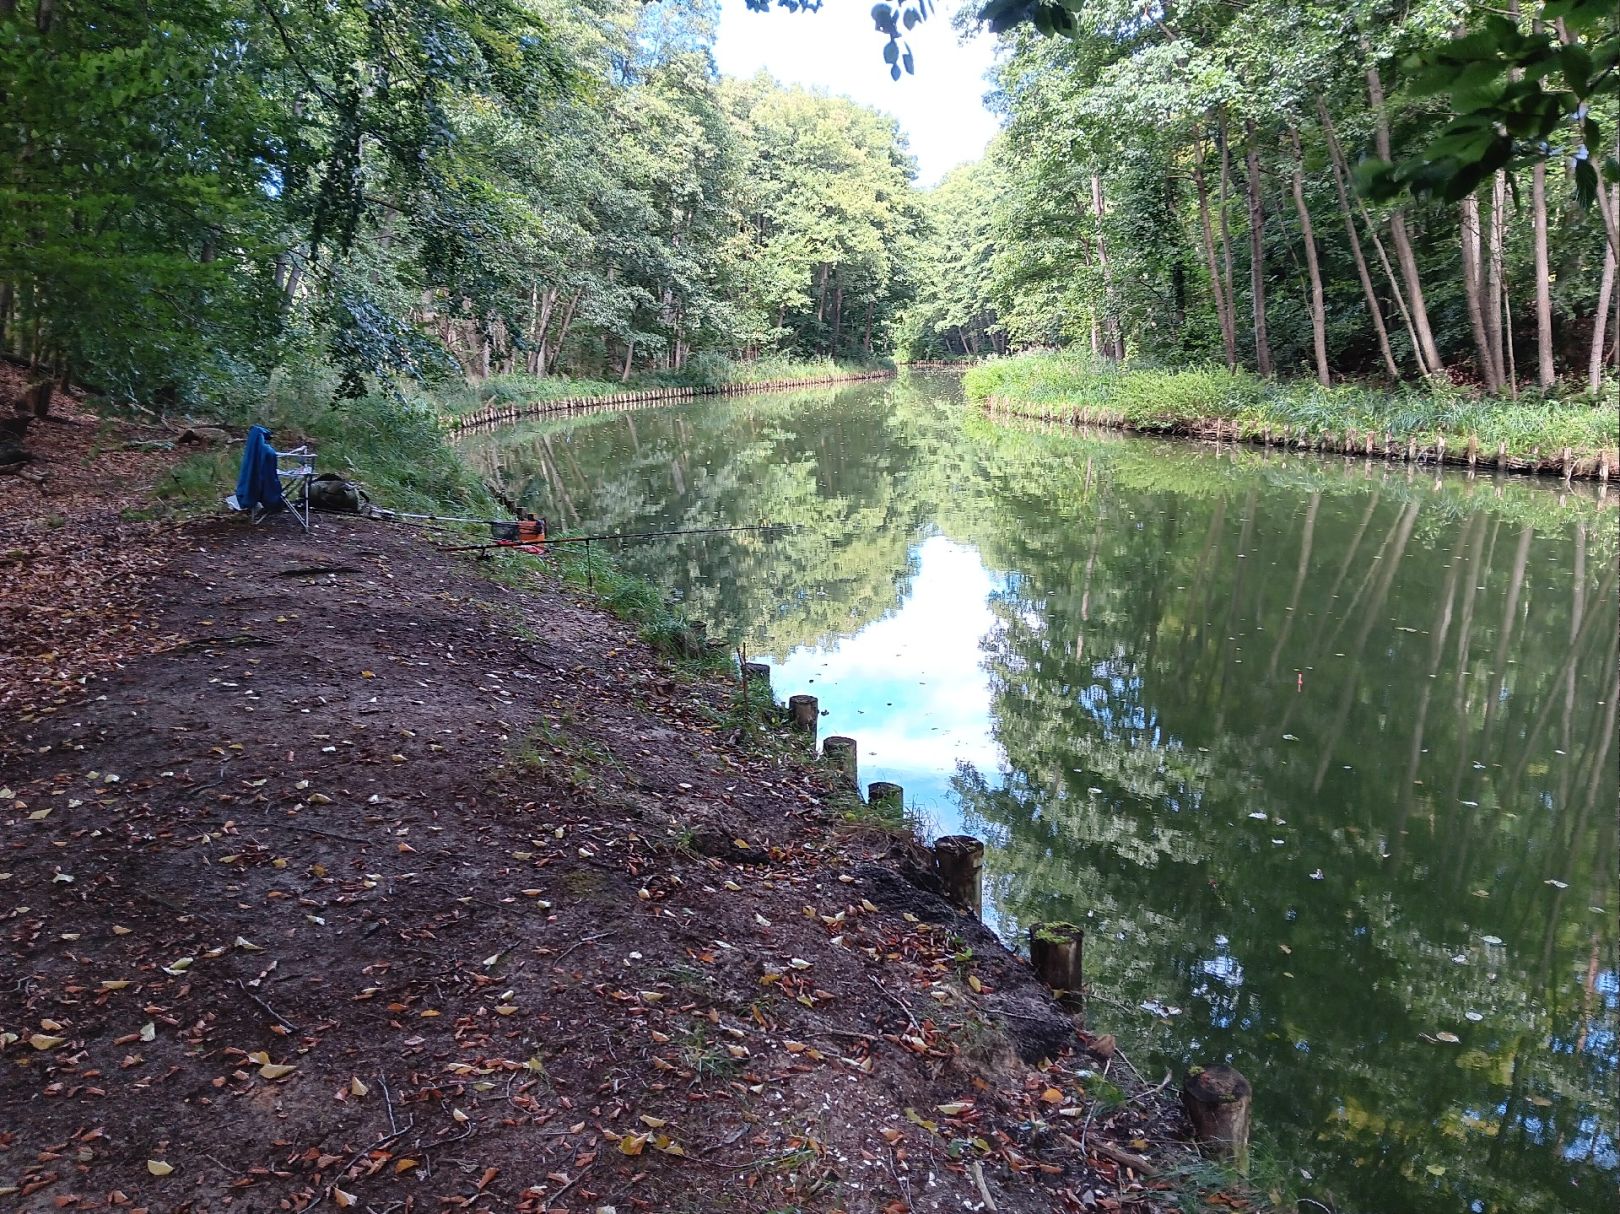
334, 874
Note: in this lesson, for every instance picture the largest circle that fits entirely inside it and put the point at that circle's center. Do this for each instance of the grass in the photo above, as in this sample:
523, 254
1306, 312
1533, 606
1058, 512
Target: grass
704, 371
1072, 387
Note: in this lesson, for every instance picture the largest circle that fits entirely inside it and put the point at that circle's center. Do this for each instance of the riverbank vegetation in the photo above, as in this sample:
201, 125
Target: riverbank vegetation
427, 194
1187, 191
1240, 405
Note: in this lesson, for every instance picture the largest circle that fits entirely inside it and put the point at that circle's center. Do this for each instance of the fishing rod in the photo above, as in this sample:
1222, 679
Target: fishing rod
622, 535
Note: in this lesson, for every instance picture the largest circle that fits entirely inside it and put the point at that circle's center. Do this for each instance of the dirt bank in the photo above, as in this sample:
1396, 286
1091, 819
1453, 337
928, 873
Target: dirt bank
338, 875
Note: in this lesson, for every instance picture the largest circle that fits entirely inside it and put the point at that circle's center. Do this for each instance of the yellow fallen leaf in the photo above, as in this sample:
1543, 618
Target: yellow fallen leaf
632, 1144
669, 1146
505, 1009
1052, 1096
43, 1041
276, 1070
459, 1116
656, 1123
356, 1088
973, 981
158, 1167
955, 1107
342, 1198
114, 984
794, 1047
401, 1166
121, 931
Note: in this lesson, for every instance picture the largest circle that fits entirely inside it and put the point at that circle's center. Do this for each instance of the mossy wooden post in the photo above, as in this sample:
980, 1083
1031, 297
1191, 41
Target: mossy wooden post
840, 752
1055, 953
757, 672
1217, 1099
805, 713
959, 865
889, 798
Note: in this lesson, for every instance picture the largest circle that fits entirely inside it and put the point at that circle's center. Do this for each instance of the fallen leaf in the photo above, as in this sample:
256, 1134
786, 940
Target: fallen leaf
632, 1144
159, 1167
276, 1070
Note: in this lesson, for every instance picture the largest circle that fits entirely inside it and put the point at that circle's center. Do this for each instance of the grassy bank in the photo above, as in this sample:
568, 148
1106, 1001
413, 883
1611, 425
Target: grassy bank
703, 373
1207, 402
397, 452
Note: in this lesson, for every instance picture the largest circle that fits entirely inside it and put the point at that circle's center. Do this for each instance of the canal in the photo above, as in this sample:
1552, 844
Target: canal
1320, 752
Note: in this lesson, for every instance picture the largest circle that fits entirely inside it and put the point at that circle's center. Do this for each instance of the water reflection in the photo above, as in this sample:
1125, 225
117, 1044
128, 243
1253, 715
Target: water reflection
1321, 752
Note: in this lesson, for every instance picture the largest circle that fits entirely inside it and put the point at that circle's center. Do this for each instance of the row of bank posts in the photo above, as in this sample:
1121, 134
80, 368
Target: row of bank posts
1217, 1098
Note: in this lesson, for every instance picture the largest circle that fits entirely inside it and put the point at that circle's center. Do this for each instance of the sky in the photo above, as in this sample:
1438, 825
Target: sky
940, 108
913, 730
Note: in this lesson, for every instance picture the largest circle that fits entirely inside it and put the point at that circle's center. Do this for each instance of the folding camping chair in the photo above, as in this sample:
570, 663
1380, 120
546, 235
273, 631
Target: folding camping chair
295, 469
271, 478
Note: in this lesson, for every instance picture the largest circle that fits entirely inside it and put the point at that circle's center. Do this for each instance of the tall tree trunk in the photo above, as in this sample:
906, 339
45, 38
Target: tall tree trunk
562, 330
1493, 277
1318, 297
629, 359
821, 296
1546, 373
838, 313
1257, 257
1404, 256
1374, 312
1594, 365
1226, 228
1474, 293
1223, 309
866, 339
1113, 344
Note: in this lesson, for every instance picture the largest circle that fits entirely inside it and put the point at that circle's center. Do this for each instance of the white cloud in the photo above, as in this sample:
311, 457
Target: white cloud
912, 729
940, 108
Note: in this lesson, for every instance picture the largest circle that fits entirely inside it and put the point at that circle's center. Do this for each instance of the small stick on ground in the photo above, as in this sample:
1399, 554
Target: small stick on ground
899, 1003
984, 1189
267, 1009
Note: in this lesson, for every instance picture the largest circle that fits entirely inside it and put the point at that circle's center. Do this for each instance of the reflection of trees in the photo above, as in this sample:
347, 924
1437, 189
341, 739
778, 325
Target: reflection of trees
1442, 649
840, 467
1141, 705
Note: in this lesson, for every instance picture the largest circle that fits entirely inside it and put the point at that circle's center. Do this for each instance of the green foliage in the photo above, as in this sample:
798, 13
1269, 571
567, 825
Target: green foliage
421, 192
1076, 388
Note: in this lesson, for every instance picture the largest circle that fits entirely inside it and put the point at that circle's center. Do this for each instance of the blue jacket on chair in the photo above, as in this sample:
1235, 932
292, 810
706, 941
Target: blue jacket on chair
257, 487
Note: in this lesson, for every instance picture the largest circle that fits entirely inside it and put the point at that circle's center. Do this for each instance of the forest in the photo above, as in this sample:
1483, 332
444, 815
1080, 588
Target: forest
1198, 185
200, 192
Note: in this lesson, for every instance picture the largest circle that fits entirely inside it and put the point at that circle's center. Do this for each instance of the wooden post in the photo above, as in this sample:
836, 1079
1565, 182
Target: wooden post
959, 865
840, 752
1217, 1099
1055, 952
757, 672
805, 713
880, 794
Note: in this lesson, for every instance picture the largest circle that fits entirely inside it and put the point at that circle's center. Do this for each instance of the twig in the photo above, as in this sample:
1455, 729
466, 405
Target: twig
308, 830
557, 1196
1125, 1159
1146, 1092
356, 1158
582, 940
267, 1009
984, 1189
898, 1002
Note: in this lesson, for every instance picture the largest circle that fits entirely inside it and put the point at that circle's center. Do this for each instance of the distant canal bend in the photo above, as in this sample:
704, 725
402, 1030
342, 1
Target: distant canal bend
1321, 752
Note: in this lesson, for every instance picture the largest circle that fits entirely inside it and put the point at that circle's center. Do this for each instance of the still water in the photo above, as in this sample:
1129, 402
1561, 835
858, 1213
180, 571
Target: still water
1320, 752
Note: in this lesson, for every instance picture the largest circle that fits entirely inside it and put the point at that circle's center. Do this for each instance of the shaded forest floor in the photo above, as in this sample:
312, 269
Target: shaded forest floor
337, 874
